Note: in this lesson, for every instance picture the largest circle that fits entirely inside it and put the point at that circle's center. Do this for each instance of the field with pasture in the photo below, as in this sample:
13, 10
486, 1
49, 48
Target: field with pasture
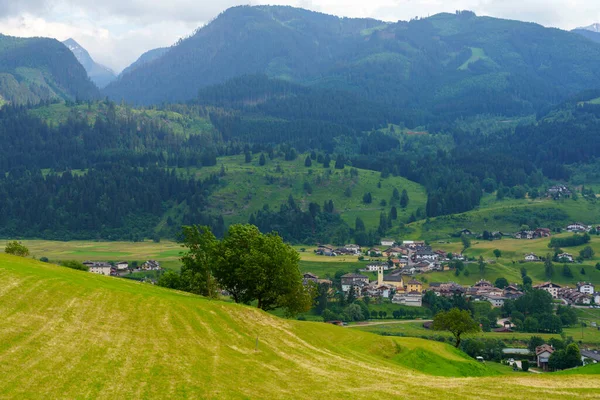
247, 187
587, 335
506, 216
114, 338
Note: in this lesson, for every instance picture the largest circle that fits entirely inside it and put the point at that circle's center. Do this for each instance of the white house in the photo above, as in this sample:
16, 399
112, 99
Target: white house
549, 287
122, 265
585, 287
374, 267
100, 268
597, 298
531, 257
387, 242
565, 257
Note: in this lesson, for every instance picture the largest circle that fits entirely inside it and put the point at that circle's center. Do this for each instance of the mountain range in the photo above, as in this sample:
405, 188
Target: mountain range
98, 73
448, 64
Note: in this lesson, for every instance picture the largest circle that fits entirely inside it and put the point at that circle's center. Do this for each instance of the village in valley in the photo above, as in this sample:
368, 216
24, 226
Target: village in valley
397, 264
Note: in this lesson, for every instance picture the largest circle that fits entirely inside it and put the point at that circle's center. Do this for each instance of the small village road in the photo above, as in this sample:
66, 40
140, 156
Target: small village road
402, 321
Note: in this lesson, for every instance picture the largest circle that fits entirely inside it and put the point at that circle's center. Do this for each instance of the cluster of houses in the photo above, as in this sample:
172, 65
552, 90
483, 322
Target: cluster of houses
115, 269
562, 257
583, 294
391, 285
533, 234
410, 257
559, 191
483, 290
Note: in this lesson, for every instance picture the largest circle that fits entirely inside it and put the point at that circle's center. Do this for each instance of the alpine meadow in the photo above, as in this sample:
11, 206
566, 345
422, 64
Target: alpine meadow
292, 204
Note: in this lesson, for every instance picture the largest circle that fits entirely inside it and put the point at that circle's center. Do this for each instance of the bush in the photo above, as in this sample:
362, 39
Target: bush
44, 259
74, 265
525, 365
16, 248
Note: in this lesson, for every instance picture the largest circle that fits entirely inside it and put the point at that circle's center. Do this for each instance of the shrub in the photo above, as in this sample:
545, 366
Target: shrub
16, 248
74, 265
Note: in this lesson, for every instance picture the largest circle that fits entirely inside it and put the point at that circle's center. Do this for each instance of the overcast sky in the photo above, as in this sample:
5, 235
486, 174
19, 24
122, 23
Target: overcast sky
116, 32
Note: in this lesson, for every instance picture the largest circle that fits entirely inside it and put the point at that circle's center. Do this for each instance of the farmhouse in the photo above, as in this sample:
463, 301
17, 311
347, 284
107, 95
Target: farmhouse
497, 301
374, 266
412, 299
549, 287
578, 227
355, 281
414, 286
558, 191
122, 265
99, 267
151, 265
542, 232
542, 354
524, 235
387, 242
585, 287
565, 257
531, 257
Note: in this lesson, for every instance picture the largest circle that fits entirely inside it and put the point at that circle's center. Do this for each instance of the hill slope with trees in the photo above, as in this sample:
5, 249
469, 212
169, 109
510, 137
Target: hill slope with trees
41, 69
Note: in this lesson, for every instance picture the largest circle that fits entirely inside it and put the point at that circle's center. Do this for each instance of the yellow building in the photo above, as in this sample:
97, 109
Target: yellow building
414, 286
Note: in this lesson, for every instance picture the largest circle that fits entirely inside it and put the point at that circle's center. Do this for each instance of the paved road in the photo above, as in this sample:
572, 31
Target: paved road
402, 321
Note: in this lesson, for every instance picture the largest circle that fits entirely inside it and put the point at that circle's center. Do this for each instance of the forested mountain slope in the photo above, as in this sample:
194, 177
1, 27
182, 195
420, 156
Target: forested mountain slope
145, 58
40, 69
158, 343
444, 66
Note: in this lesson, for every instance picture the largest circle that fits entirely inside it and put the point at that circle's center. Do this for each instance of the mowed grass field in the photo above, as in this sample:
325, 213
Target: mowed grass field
246, 189
72, 334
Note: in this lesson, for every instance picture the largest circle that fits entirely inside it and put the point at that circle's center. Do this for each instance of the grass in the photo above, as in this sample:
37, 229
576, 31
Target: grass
72, 334
508, 216
179, 124
476, 55
591, 335
245, 189
166, 252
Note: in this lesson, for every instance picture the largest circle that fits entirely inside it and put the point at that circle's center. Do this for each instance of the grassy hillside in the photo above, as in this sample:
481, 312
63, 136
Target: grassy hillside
111, 338
247, 188
508, 216
178, 123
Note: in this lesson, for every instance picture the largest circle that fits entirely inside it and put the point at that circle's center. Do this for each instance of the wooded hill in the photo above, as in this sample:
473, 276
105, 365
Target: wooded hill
40, 69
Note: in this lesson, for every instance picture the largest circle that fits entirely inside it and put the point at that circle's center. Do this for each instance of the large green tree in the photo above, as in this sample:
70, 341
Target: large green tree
260, 267
455, 321
196, 271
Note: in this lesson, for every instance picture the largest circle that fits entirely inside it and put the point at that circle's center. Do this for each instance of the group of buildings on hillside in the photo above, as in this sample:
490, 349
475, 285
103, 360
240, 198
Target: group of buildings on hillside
115, 269
583, 294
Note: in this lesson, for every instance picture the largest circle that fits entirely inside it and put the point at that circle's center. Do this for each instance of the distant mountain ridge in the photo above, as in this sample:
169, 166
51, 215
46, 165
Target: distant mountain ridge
145, 58
444, 66
592, 28
98, 73
41, 69
590, 34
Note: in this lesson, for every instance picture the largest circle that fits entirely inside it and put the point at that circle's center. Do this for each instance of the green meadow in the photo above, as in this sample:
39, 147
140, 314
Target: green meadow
72, 334
247, 187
